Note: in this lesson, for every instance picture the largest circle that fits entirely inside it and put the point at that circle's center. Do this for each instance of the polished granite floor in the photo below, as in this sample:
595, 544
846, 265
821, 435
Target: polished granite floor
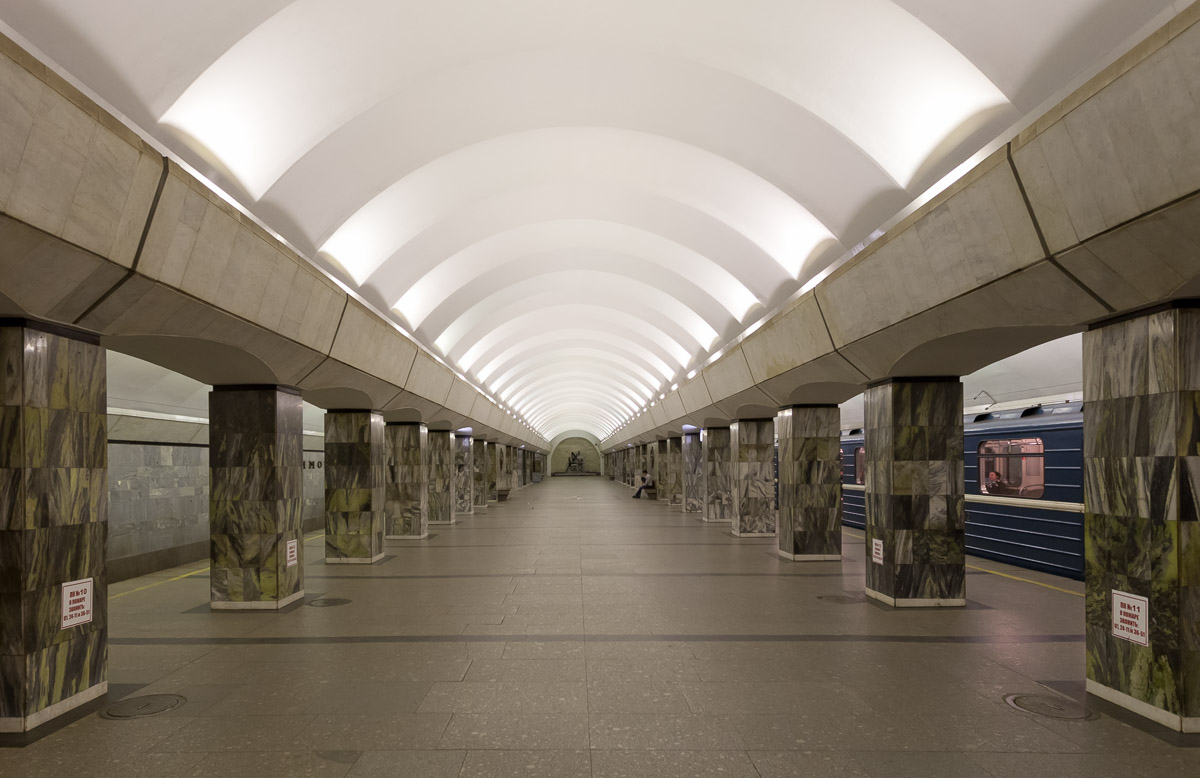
574, 632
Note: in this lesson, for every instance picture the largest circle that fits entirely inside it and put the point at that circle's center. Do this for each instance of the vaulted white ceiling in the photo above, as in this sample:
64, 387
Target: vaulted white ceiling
577, 201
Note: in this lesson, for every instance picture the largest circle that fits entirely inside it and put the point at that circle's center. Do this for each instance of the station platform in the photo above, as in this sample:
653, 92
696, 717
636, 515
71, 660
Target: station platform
568, 632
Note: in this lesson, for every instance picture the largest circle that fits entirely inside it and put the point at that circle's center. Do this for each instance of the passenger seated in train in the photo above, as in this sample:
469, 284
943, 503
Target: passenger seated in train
996, 485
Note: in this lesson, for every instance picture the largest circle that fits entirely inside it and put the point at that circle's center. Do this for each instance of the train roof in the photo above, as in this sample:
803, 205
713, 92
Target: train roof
1051, 414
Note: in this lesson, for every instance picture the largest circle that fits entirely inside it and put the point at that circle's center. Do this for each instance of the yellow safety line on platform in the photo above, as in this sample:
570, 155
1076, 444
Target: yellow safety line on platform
996, 572
198, 570
159, 583
1026, 580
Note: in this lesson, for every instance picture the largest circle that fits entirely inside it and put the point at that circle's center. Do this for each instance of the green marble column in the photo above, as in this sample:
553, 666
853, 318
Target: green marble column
1141, 380
810, 482
493, 471
256, 497
355, 467
718, 474
479, 473
674, 479
914, 492
464, 476
503, 471
692, 461
53, 520
406, 501
752, 477
440, 484
660, 469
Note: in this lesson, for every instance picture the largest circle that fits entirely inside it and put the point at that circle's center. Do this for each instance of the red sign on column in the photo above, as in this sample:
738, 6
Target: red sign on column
76, 603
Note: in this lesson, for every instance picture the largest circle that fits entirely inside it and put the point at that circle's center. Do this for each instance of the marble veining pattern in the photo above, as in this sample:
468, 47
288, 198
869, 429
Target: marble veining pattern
810, 481
718, 474
913, 438
355, 479
406, 501
673, 483
464, 475
693, 473
1141, 496
479, 473
752, 452
660, 469
256, 498
440, 483
493, 471
53, 517
157, 497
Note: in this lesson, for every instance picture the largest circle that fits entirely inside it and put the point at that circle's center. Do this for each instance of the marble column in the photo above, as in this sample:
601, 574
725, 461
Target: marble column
406, 500
752, 453
493, 471
256, 497
500, 457
660, 470
673, 484
53, 520
439, 485
810, 482
355, 478
718, 474
914, 492
464, 475
1141, 458
692, 461
479, 473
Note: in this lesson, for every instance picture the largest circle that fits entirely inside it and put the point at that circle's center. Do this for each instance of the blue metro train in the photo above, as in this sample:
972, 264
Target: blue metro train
1023, 475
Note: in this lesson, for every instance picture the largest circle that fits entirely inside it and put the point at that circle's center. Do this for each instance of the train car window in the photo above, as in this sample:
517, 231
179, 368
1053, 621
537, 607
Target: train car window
1012, 468
859, 465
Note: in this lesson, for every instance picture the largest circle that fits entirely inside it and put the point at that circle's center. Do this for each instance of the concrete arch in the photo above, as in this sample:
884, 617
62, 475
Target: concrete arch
405, 415
209, 362
754, 412
340, 398
962, 353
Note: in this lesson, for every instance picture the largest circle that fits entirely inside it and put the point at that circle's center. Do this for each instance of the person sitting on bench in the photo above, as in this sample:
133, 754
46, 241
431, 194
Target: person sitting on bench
647, 483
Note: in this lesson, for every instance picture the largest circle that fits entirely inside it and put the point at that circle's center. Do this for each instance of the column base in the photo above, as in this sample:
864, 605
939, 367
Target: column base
737, 534
16, 724
255, 605
479, 508
468, 513
809, 557
1184, 724
716, 521
406, 537
443, 523
345, 560
932, 602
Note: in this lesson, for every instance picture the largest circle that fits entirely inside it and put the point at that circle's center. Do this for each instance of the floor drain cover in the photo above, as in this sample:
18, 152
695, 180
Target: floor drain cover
1048, 705
328, 602
139, 707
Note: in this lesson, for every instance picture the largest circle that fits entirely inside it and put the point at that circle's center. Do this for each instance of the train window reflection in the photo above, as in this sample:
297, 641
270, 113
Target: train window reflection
1012, 468
859, 465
